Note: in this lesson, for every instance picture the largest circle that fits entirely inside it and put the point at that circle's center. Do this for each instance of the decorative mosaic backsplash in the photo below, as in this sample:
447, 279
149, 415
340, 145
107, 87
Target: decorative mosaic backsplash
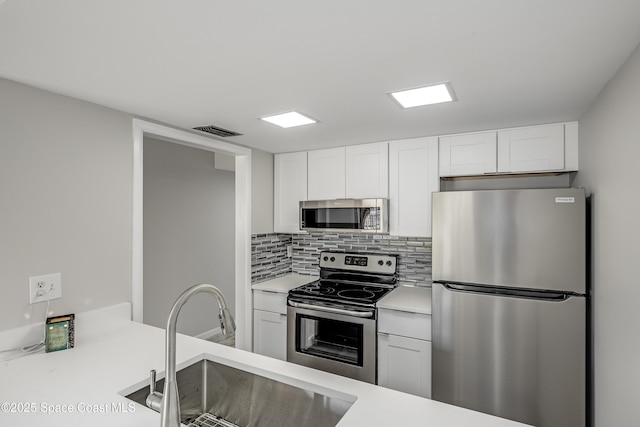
269, 256
269, 260
414, 253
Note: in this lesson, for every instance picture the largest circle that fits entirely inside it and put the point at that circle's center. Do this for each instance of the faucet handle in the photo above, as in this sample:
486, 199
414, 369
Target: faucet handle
154, 399
152, 381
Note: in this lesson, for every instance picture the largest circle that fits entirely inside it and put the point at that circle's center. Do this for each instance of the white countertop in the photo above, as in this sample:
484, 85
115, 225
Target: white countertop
113, 354
408, 298
284, 284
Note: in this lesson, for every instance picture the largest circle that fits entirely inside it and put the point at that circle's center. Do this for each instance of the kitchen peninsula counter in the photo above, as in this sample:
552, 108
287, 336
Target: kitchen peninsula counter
113, 355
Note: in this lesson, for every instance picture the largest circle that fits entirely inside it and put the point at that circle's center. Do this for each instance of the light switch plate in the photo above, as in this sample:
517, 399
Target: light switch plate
45, 287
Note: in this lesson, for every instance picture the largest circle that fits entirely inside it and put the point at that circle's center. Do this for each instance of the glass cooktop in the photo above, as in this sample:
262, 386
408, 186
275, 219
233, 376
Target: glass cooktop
343, 292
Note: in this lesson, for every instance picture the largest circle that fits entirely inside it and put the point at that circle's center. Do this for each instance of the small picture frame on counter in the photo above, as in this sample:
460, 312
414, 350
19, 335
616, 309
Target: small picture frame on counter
59, 333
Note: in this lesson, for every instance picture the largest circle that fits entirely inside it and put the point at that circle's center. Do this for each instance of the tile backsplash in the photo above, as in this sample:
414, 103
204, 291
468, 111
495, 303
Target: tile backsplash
269, 260
269, 256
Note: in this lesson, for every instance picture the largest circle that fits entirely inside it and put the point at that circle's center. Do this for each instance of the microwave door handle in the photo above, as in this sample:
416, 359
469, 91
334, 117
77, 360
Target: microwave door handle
331, 309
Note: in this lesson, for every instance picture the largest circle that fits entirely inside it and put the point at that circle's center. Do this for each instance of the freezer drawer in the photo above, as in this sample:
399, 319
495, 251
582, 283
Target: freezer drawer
517, 358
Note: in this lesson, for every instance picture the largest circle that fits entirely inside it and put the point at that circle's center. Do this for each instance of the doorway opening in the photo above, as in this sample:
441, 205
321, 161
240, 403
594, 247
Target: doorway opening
242, 207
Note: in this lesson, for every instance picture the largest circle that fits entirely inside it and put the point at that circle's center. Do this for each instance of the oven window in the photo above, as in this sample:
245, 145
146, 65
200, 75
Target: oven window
348, 218
329, 339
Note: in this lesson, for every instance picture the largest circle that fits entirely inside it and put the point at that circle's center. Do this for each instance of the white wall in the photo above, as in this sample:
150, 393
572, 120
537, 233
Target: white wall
65, 202
609, 161
189, 233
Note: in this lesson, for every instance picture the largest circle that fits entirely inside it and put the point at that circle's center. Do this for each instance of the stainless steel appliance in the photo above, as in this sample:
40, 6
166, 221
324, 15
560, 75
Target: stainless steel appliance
331, 323
509, 304
361, 215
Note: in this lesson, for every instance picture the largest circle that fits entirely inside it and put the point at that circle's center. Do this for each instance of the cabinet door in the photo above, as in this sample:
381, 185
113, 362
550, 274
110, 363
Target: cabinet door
326, 174
367, 171
413, 176
470, 154
270, 334
290, 187
531, 149
404, 364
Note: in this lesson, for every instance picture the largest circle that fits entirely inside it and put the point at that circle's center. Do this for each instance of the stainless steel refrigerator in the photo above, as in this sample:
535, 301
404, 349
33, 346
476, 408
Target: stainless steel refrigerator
509, 303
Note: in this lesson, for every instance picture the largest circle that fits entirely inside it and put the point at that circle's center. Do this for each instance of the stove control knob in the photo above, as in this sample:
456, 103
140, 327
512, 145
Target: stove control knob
380, 262
389, 263
326, 258
333, 258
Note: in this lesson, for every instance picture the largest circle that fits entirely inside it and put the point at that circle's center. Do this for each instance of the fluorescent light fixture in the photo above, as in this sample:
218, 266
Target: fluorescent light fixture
290, 119
426, 95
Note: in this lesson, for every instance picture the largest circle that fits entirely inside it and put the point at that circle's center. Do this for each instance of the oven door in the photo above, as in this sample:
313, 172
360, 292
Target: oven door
332, 340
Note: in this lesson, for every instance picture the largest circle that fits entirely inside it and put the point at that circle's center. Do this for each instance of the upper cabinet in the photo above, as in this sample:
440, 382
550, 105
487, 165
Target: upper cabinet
367, 171
413, 176
408, 171
538, 149
326, 174
468, 154
290, 187
548, 148
354, 172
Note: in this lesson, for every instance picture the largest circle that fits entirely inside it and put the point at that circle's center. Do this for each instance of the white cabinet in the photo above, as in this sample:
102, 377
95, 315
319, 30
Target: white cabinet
404, 351
290, 187
468, 154
270, 324
326, 174
354, 172
546, 148
532, 149
413, 176
367, 171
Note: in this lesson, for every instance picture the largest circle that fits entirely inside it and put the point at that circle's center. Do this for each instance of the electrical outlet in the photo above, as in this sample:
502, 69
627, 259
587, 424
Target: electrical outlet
45, 288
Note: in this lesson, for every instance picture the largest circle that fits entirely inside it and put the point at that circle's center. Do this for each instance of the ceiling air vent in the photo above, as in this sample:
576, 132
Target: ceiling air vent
217, 131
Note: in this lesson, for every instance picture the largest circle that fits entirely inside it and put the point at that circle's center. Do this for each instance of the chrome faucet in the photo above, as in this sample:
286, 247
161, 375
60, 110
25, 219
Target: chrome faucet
167, 402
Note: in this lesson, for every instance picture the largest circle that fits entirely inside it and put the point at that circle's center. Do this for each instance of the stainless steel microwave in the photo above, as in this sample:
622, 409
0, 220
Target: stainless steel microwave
352, 215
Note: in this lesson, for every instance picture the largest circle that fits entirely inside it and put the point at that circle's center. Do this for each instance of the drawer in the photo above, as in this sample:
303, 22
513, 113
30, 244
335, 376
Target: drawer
404, 323
270, 301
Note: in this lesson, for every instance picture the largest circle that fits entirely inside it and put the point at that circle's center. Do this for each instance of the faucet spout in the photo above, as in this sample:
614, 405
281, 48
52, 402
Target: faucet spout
170, 408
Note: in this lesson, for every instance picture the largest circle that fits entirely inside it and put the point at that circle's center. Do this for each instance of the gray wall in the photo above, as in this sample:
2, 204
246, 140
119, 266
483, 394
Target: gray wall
261, 192
609, 158
65, 202
189, 233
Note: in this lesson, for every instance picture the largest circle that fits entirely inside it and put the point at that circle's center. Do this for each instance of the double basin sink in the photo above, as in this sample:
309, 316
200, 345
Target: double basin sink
236, 397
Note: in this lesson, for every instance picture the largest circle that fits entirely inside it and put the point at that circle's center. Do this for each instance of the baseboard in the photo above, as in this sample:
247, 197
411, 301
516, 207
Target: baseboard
206, 335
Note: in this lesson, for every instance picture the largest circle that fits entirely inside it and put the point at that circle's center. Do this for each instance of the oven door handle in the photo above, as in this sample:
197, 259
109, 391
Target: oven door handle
331, 309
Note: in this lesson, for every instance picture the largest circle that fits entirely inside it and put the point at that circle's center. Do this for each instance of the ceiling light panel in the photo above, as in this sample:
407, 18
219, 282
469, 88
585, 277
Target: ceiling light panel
290, 119
425, 95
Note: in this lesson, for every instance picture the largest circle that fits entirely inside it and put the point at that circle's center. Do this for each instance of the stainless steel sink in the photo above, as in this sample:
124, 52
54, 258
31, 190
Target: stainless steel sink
247, 399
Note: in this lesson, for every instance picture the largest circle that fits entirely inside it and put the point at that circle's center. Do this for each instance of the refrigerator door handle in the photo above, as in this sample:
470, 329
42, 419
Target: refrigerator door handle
509, 292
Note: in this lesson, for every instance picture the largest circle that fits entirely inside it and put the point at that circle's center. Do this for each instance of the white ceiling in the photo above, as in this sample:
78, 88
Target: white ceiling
199, 62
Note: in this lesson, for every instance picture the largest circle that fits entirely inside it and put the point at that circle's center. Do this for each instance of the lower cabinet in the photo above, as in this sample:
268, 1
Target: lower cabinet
404, 351
270, 324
